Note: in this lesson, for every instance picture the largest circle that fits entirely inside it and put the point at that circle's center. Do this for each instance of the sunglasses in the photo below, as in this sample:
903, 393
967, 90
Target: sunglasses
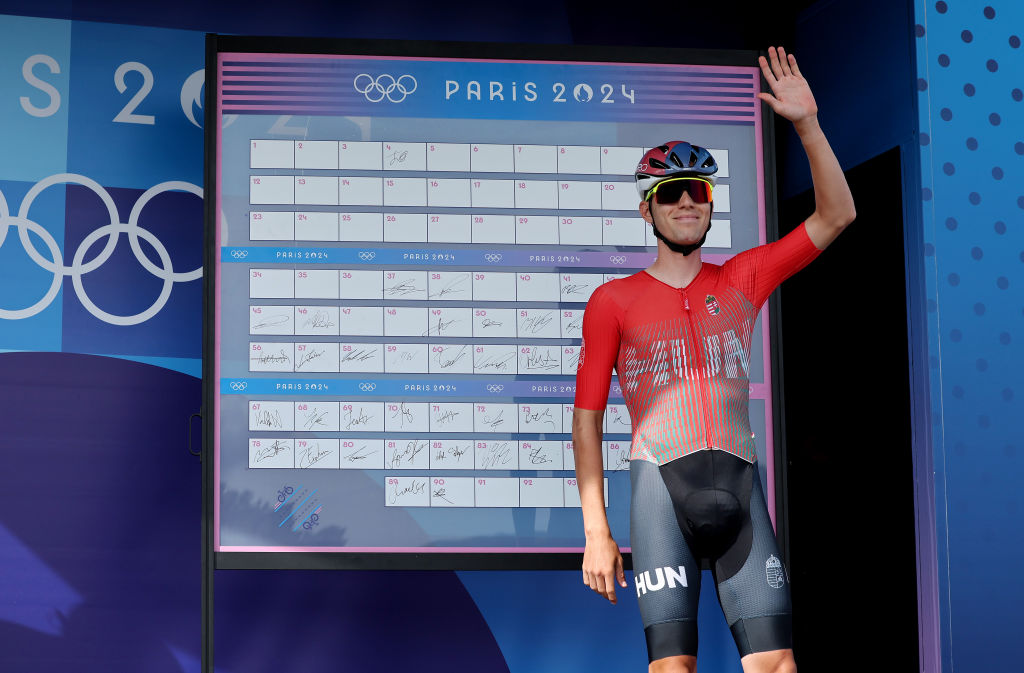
671, 190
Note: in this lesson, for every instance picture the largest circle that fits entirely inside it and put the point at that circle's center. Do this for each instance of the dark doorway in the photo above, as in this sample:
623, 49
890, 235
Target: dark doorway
847, 422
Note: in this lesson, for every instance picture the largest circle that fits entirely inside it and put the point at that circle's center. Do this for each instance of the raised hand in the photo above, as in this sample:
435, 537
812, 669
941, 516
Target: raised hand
792, 97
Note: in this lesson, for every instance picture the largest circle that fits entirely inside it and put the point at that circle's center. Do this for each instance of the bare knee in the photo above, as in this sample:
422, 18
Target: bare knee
776, 661
679, 664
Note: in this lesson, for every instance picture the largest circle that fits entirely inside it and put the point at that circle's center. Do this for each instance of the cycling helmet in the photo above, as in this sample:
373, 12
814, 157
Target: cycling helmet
674, 159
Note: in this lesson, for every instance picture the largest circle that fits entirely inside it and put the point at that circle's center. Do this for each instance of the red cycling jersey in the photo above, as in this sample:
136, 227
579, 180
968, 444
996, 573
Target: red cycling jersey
683, 397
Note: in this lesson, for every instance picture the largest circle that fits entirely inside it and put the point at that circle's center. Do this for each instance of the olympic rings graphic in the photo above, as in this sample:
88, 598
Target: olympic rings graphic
493, 257
239, 254
367, 387
79, 266
384, 86
367, 255
617, 259
239, 385
495, 388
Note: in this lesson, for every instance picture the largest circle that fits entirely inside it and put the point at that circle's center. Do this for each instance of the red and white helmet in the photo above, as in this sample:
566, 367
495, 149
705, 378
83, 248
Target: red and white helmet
676, 158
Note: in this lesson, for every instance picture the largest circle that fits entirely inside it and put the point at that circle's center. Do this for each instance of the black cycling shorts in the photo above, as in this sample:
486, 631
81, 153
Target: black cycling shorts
706, 506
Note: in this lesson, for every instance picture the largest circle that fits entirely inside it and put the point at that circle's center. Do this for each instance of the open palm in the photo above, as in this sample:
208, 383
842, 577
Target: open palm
792, 97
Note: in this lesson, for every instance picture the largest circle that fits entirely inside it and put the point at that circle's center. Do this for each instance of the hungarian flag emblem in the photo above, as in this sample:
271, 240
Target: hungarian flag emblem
711, 304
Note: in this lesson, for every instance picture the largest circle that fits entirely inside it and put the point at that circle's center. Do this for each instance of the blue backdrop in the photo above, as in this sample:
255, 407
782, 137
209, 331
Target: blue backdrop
99, 540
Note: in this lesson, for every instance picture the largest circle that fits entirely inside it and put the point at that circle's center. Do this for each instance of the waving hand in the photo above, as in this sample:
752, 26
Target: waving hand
792, 97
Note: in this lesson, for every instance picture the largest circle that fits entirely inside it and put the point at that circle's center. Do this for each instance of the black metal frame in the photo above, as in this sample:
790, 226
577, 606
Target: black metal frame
432, 561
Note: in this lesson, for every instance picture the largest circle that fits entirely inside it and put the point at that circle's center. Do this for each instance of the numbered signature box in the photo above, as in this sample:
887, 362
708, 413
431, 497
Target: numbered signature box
540, 455
572, 492
360, 416
537, 287
448, 157
316, 190
541, 418
316, 154
536, 194
619, 196
361, 284
271, 190
405, 359
446, 228
491, 159
361, 358
403, 284
449, 322
360, 156
271, 226
578, 287
315, 226
405, 227
452, 454
570, 360
406, 454
313, 416
535, 158
576, 195
316, 284
450, 359
271, 154
361, 454
268, 452
406, 416
360, 321
448, 192
620, 160
540, 359
494, 359
495, 417
572, 323
616, 419
452, 492
494, 229
624, 231
406, 491
317, 454
271, 416
618, 455
537, 230
579, 159
541, 492
537, 323
493, 193
450, 285
269, 356
451, 416
271, 284
405, 156
497, 491
720, 234
316, 357
360, 191
405, 320
494, 286
578, 230
494, 322
360, 227
274, 320
502, 454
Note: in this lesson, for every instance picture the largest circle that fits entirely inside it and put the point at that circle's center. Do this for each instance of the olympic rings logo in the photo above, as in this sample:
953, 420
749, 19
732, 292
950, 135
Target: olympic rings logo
493, 257
239, 254
367, 255
367, 387
239, 385
617, 259
495, 388
79, 266
384, 86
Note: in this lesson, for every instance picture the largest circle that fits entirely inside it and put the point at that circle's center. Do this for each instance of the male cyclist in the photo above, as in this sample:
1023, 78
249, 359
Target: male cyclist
679, 334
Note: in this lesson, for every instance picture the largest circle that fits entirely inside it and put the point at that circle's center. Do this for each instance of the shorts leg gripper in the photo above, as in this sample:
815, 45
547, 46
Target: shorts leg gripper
671, 639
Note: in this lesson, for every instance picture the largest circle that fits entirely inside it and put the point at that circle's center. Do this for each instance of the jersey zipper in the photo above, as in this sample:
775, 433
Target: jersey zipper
702, 383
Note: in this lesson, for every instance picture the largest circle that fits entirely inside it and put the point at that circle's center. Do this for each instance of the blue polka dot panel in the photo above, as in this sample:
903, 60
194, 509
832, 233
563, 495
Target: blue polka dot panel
970, 69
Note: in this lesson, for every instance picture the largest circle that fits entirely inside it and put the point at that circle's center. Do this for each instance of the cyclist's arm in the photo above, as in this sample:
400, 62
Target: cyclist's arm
602, 562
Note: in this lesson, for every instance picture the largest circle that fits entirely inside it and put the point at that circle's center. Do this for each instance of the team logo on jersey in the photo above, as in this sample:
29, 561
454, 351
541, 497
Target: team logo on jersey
711, 304
776, 575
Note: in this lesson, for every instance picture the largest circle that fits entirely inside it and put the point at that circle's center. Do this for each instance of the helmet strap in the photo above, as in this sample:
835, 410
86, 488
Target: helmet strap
678, 247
